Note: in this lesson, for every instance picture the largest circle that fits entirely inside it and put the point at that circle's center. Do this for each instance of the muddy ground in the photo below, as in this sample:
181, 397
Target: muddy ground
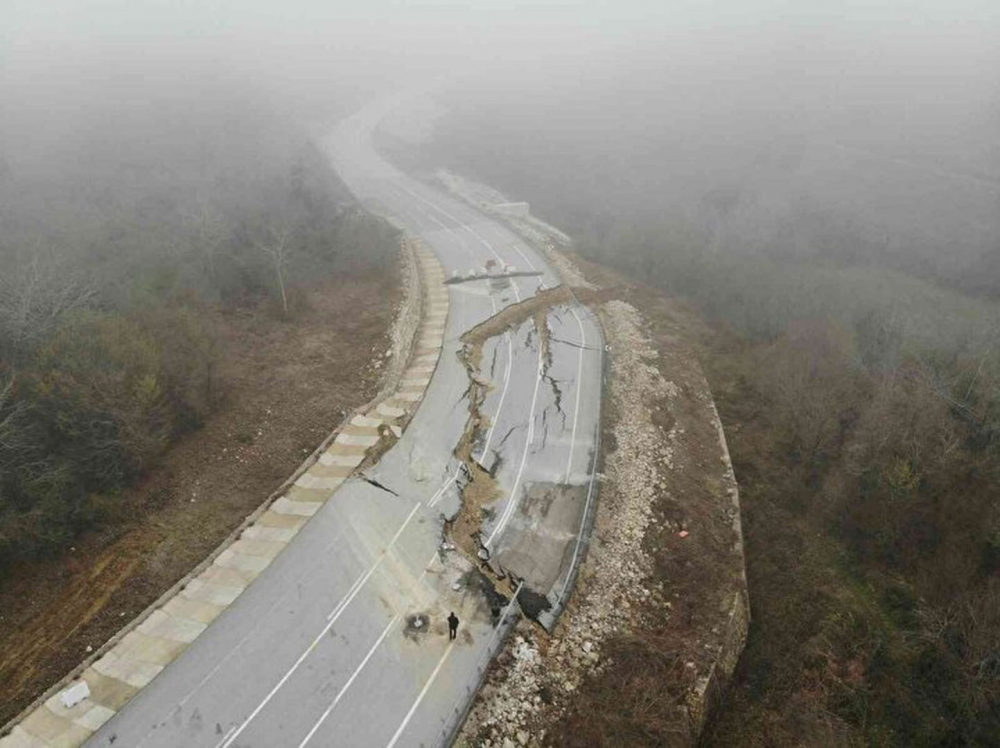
286, 384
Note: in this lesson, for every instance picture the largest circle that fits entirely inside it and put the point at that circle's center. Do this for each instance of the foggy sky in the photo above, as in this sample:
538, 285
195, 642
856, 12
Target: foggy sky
345, 38
923, 65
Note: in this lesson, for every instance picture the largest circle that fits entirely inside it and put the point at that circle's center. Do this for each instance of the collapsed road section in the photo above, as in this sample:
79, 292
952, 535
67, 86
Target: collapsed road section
528, 487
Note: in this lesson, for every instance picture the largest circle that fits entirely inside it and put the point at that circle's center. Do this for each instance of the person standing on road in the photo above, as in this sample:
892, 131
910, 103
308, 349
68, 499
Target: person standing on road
452, 625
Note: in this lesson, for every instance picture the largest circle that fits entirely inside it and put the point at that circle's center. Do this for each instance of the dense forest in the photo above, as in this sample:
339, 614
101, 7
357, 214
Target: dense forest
855, 303
124, 221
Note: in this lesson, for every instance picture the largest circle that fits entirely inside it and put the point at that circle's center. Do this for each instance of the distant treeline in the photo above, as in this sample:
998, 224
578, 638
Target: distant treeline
861, 395
745, 167
111, 257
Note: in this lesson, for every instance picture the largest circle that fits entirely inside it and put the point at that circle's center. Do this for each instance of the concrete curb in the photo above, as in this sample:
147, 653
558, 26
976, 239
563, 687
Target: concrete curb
135, 655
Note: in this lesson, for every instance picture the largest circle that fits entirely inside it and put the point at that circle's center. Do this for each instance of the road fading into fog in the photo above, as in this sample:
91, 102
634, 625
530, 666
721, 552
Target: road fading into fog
322, 648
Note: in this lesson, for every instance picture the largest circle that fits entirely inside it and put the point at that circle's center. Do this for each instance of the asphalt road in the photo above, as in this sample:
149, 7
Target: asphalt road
343, 640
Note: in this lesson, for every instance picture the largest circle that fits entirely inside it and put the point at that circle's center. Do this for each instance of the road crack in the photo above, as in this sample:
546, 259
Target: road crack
378, 485
478, 488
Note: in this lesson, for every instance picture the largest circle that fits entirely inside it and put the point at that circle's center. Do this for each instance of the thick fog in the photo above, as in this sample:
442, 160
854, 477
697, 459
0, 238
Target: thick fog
910, 75
723, 93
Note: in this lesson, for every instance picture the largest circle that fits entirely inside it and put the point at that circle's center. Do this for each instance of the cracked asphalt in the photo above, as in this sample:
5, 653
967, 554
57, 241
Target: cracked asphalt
343, 640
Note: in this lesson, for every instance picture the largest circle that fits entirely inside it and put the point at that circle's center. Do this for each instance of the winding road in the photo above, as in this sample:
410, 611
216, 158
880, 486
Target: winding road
342, 640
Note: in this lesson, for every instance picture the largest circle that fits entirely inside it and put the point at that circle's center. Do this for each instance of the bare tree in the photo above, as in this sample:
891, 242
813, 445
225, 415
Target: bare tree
7, 412
33, 298
279, 251
15, 448
210, 230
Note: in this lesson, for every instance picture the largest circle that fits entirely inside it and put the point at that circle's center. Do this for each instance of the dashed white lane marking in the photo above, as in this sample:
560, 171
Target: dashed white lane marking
350, 680
427, 568
331, 620
512, 501
423, 692
351, 592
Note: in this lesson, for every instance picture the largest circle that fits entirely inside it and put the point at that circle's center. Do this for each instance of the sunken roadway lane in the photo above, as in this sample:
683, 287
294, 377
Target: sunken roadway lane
482, 503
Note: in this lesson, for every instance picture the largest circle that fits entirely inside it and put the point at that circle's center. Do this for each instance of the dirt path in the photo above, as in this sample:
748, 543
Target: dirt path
287, 385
